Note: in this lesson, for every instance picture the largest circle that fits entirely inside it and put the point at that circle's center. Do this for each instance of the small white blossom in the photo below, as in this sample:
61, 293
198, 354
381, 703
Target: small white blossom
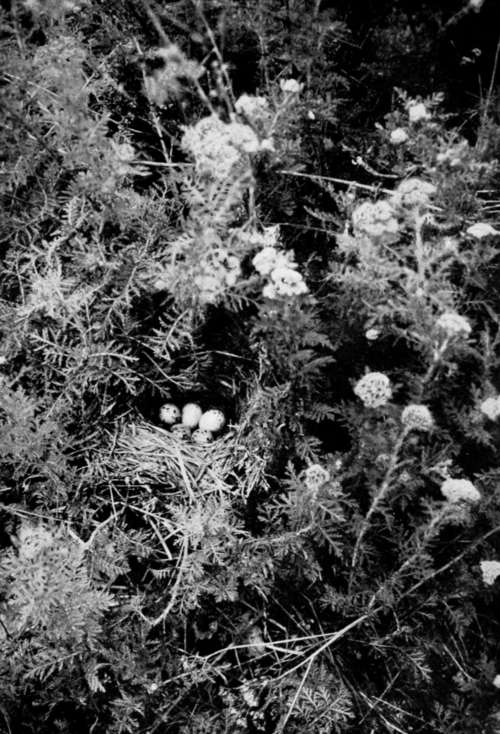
209, 286
481, 229
271, 234
285, 282
398, 136
490, 407
267, 144
290, 86
243, 137
460, 490
217, 147
417, 112
413, 193
496, 681
253, 108
454, 155
270, 258
315, 476
453, 324
374, 220
372, 334
417, 418
374, 389
476, 5
490, 571
217, 273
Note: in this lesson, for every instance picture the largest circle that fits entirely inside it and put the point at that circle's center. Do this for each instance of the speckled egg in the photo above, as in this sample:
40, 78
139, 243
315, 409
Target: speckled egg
191, 414
181, 431
201, 436
213, 421
170, 414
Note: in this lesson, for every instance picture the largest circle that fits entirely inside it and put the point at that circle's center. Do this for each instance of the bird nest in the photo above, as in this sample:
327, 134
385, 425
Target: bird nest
146, 454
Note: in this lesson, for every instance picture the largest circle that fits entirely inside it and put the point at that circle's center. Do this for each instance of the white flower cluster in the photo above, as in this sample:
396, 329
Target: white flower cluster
490, 407
373, 389
255, 109
168, 79
217, 273
398, 136
490, 571
481, 230
217, 147
413, 194
281, 268
290, 86
315, 476
270, 258
454, 155
285, 282
372, 334
453, 324
460, 490
417, 418
374, 219
417, 112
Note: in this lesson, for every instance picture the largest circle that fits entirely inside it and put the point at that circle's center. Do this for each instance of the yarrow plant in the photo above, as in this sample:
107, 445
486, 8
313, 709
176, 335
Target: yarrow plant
285, 282
255, 109
417, 418
418, 112
270, 258
490, 407
219, 271
375, 220
398, 136
315, 476
218, 147
372, 334
481, 230
279, 266
374, 390
454, 325
490, 571
413, 194
460, 490
290, 86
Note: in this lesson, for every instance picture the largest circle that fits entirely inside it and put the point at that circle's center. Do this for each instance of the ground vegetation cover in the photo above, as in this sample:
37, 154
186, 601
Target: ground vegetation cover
249, 367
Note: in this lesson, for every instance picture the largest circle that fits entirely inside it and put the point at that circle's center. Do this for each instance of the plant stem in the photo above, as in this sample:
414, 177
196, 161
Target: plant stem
379, 497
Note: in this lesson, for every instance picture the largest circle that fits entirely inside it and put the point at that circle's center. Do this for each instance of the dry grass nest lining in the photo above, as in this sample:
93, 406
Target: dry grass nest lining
144, 452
